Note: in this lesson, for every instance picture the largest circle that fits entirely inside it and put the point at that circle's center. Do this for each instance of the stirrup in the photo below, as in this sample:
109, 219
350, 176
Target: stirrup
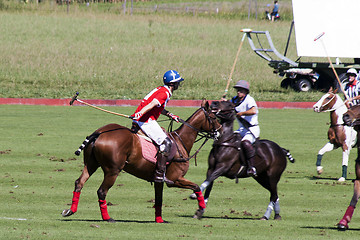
160, 179
252, 172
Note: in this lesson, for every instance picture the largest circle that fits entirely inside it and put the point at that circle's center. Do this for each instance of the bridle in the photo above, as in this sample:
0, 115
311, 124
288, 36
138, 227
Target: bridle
212, 134
325, 104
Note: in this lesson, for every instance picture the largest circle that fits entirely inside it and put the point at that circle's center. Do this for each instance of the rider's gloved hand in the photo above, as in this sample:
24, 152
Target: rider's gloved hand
176, 118
136, 116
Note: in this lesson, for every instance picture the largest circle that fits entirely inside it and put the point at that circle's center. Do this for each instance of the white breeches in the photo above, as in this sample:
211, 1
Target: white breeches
153, 130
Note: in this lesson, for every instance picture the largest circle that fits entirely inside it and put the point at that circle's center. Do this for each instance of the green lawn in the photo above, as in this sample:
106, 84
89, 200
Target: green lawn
38, 170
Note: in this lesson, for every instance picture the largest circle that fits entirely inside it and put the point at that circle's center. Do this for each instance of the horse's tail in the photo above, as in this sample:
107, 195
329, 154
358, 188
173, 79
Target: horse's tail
288, 155
87, 140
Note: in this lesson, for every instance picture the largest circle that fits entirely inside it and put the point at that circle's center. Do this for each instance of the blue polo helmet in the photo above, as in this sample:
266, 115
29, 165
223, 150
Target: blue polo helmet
172, 76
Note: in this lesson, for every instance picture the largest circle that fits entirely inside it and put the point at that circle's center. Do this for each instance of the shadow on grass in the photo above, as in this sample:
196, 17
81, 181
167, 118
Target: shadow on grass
330, 178
221, 217
100, 221
330, 228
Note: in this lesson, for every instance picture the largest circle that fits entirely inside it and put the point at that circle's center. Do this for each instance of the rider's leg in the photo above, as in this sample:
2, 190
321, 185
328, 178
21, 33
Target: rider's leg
162, 158
153, 130
250, 155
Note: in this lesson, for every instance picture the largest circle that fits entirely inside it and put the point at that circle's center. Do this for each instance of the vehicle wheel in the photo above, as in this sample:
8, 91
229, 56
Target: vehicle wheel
286, 83
343, 79
303, 85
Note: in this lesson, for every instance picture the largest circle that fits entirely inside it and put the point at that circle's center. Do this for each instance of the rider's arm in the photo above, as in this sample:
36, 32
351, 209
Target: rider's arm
249, 112
150, 106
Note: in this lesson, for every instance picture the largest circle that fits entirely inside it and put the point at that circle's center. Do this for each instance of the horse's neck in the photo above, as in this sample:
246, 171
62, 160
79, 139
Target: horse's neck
227, 130
336, 116
188, 134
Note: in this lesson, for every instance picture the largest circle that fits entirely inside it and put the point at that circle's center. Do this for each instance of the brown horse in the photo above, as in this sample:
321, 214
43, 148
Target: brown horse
115, 148
352, 118
227, 159
339, 135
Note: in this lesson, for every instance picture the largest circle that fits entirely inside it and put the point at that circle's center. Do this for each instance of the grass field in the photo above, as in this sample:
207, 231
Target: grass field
38, 170
47, 53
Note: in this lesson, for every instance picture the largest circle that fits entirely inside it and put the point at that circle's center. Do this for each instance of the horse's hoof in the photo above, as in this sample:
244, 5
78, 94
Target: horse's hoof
277, 217
264, 218
193, 196
199, 214
110, 220
319, 169
342, 179
342, 227
67, 213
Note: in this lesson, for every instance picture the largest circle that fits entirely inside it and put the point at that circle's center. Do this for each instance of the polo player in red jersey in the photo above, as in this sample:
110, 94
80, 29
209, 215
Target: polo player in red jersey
149, 111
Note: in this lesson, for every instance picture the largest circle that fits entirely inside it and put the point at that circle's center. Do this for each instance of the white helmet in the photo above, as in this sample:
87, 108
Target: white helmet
351, 71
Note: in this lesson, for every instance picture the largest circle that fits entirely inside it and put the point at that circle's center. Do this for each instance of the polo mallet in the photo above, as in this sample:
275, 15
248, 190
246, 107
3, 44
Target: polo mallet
74, 98
329, 60
236, 58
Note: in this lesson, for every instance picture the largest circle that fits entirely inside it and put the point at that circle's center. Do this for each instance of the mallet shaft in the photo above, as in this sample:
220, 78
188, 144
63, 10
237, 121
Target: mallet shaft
104, 110
233, 67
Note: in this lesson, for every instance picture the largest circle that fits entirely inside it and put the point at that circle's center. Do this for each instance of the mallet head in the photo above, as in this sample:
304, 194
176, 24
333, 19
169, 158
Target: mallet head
74, 98
319, 36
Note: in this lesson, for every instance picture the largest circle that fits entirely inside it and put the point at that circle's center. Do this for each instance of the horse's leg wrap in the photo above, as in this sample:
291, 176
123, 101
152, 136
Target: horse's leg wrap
277, 207
200, 199
318, 160
158, 217
347, 216
344, 171
269, 210
75, 201
103, 209
204, 185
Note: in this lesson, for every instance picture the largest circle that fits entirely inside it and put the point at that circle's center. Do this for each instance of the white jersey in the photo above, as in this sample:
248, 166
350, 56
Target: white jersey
253, 131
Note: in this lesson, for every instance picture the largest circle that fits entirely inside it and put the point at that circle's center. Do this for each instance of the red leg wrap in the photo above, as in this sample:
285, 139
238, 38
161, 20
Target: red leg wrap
348, 214
200, 199
103, 209
75, 201
158, 217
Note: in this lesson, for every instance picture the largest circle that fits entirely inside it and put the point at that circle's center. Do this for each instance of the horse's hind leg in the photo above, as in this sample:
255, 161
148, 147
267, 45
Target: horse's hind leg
270, 183
108, 182
90, 167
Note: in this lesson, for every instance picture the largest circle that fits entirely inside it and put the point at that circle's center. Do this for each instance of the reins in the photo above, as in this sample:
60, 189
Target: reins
202, 134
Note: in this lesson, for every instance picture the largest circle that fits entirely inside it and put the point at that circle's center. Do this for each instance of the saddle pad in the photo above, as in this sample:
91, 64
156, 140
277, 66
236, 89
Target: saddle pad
148, 150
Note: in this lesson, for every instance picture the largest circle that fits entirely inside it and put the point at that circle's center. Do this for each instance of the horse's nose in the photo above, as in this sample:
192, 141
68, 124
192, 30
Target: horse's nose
316, 108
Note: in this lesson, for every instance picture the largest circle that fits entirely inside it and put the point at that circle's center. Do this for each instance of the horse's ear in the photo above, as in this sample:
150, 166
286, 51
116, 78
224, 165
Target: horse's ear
331, 89
205, 104
336, 89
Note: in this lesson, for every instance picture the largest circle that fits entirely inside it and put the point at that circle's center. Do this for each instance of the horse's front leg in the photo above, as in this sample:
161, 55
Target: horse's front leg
184, 183
327, 148
158, 187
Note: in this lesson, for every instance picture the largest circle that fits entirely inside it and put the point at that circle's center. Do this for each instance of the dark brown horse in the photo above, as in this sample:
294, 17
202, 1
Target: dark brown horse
115, 148
227, 159
352, 118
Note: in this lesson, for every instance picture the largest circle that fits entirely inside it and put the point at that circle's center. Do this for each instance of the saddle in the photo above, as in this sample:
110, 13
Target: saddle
149, 148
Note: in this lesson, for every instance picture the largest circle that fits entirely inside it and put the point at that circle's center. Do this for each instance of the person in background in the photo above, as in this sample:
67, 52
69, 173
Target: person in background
352, 88
275, 10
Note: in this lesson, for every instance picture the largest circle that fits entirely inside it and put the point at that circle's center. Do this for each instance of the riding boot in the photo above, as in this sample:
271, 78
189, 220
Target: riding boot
160, 169
250, 155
